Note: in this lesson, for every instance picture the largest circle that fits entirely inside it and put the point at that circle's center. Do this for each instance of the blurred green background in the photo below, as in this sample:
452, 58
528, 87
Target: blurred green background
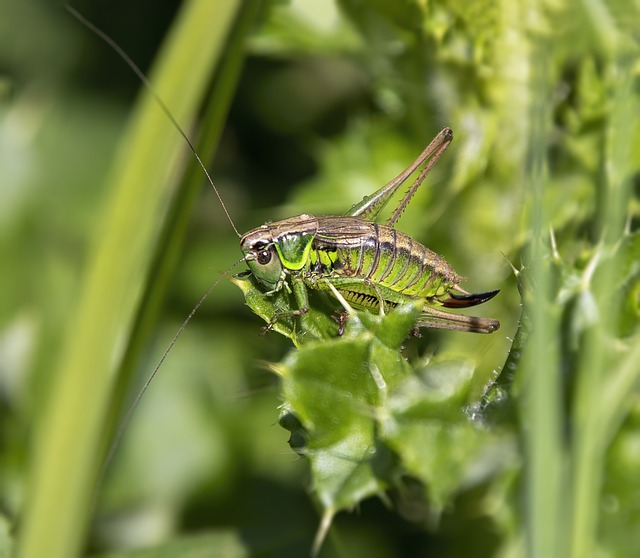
330, 101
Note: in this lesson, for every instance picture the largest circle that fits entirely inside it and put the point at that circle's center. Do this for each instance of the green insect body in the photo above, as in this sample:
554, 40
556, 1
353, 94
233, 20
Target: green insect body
369, 264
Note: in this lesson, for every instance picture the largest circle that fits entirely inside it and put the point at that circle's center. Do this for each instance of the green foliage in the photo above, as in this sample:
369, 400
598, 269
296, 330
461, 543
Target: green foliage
363, 418
521, 443
361, 415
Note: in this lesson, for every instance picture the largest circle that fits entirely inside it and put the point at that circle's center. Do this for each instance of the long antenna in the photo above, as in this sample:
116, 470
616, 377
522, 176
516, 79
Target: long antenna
136, 402
143, 78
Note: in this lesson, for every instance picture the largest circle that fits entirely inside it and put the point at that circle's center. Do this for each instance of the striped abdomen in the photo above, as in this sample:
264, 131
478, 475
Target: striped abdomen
352, 247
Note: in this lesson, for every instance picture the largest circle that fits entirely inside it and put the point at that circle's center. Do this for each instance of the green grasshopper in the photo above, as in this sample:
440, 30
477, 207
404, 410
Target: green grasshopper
367, 265
370, 265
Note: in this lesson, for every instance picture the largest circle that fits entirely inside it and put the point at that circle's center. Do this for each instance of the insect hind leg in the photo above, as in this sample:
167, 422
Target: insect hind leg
359, 292
439, 319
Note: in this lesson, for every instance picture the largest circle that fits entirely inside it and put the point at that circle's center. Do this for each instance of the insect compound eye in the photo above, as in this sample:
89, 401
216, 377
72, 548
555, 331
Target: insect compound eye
266, 266
264, 257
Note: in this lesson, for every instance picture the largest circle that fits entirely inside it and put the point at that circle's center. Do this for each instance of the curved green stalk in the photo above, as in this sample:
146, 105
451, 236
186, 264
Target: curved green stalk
600, 373
69, 440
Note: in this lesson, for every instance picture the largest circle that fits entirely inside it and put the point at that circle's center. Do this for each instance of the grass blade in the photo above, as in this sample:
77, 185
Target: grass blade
70, 437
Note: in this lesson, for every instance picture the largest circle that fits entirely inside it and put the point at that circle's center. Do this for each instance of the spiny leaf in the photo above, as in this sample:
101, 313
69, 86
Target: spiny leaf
365, 420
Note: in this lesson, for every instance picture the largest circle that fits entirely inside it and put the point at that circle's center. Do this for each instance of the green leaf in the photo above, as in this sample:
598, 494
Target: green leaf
337, 391
363, 419
432, 434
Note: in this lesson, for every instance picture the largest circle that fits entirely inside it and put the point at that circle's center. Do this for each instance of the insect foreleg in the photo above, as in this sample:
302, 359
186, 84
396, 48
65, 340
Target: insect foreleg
302, 302
300, 293
341, 317
341, 299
